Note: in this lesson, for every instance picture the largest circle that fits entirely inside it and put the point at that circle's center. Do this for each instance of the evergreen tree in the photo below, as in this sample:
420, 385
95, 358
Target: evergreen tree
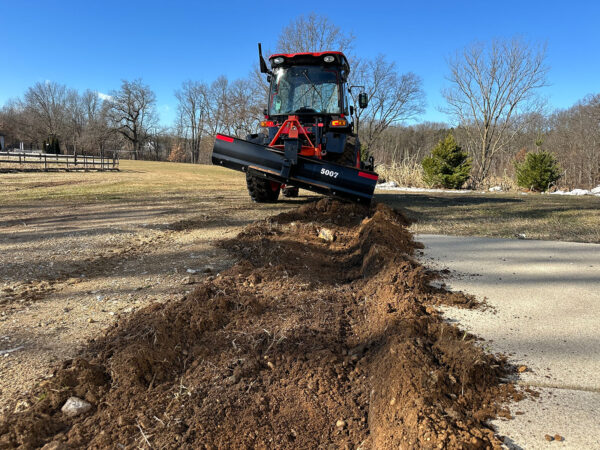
448, 165
538, 172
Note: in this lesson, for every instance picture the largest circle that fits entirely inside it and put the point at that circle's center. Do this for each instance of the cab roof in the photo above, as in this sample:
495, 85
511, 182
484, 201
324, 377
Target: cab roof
291, 59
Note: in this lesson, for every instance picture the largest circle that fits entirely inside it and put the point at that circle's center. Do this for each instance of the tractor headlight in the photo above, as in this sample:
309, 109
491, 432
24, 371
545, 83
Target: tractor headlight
329, 58
278, 60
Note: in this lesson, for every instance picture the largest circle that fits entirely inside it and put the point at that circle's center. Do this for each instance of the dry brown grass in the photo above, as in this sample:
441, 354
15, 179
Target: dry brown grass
504, 215
408, 173
185, 185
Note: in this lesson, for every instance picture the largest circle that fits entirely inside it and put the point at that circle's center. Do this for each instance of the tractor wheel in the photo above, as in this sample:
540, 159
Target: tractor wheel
348, 158
290, 192
261, 190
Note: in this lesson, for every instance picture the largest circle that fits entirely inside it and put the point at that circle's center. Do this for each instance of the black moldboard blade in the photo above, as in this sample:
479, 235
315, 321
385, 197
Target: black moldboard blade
312, 174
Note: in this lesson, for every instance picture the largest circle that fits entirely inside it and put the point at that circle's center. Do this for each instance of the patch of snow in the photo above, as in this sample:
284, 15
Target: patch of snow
393, 186
580, 192
595, 191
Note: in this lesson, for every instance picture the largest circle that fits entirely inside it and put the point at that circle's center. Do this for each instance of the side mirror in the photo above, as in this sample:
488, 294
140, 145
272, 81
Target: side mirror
363, 100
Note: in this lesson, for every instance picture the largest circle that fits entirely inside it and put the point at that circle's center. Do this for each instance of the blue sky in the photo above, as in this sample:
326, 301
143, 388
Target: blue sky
95, 44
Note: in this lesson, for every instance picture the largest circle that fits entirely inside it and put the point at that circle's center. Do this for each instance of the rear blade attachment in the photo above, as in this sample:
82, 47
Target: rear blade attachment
314, 175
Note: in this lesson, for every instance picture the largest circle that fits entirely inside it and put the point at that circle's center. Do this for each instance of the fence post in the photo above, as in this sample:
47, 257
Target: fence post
45, 163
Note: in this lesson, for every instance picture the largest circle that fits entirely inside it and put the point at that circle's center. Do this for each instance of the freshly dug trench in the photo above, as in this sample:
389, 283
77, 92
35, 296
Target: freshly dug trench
304, 343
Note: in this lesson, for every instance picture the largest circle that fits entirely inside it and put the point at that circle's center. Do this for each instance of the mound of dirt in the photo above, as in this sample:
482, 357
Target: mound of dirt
304, 343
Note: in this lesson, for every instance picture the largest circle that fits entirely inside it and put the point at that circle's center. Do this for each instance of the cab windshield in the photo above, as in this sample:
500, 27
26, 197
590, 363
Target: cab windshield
304, 89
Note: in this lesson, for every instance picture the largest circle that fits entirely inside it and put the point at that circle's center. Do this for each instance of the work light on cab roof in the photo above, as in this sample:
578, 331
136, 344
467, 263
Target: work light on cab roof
309, 137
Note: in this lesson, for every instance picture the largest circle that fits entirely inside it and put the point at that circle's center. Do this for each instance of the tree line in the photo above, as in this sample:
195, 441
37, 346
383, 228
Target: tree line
492, 100
572, 135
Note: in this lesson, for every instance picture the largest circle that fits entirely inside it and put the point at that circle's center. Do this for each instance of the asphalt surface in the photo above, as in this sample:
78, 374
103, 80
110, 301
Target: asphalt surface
545, 315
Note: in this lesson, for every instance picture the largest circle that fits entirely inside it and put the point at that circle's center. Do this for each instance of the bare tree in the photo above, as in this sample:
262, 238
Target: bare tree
492, 90
574, 136
97, 133
193, 114
75, 121
45, 106
393, 98
313, 33
246, 113
133, 113
14, 123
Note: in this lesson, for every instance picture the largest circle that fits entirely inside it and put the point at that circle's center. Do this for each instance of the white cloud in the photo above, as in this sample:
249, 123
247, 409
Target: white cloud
104, 96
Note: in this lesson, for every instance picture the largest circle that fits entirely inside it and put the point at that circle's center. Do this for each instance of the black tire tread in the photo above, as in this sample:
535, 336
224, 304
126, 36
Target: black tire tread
260, 190
348, 157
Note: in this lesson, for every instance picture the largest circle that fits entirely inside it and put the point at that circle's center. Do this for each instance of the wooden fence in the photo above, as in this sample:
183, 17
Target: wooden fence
46, 161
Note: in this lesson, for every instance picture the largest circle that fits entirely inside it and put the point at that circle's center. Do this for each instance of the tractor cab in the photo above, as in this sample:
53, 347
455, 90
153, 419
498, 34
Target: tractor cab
309, 85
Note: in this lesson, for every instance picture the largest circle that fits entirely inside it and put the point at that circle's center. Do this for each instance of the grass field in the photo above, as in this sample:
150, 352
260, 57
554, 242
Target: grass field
491, 214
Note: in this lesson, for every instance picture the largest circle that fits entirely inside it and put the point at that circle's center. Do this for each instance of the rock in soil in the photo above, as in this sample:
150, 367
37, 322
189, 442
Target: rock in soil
326, 235
299, 305
75, 406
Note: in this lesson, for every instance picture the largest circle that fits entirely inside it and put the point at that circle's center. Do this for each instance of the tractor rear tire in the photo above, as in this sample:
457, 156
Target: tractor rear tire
348, 158
262, 190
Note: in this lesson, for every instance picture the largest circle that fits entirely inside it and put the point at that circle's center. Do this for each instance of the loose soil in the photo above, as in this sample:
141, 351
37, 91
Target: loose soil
303, 343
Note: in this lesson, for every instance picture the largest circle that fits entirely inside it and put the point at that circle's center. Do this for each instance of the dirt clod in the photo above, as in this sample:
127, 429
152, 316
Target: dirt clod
267, 350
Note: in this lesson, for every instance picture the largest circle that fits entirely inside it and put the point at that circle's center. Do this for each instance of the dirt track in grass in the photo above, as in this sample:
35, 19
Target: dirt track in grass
303, 343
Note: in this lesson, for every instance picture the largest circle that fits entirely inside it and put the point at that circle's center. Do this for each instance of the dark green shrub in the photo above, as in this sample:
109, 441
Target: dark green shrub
538, 172
448, 166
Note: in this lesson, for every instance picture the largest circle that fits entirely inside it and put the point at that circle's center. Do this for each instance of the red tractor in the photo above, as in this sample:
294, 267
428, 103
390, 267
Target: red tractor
310, 141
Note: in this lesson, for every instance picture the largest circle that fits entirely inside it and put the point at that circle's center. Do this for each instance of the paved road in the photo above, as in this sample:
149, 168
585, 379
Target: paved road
546, 297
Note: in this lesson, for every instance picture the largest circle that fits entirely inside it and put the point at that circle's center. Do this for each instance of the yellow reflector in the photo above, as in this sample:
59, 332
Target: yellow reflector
338, 123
